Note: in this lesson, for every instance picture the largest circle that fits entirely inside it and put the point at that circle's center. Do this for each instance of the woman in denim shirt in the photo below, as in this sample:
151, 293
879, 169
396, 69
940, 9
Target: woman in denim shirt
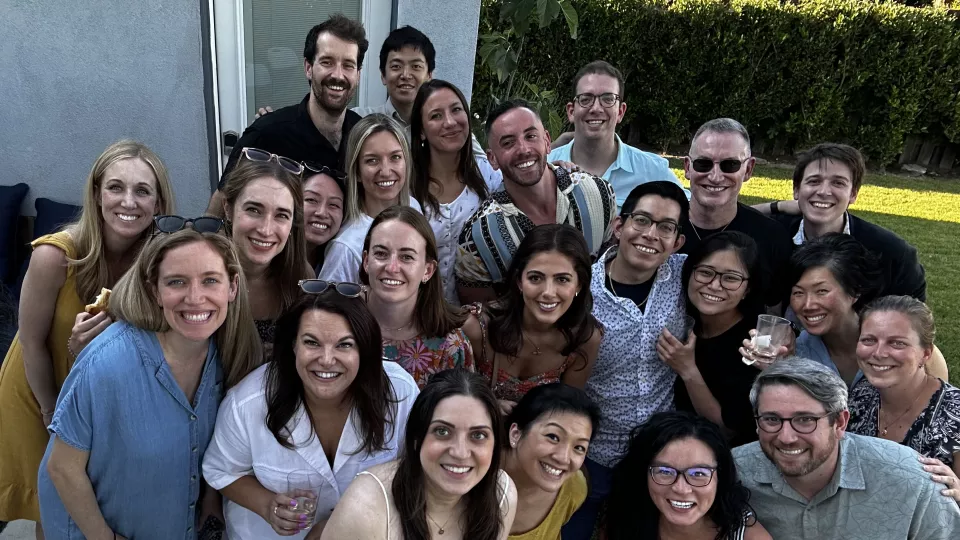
138, 408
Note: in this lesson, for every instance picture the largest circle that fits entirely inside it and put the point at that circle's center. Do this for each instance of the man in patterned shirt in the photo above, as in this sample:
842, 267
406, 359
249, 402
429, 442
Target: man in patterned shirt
535, 193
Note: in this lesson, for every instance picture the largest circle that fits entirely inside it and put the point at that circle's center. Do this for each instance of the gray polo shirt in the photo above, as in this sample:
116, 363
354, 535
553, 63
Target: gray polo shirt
878, 492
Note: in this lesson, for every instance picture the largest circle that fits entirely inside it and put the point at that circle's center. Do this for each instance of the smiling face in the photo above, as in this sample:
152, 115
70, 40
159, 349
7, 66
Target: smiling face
711, 298
889, 351
382, 167
548, 284
194, 290
820, 302
458, 447
596, 122
645, 250
396, 262
825, 192
322, 209
519, 146
682, 504
128, 197
715, 188
553, 448
406, 70
261, 220
445, 123
334, 73
327, 356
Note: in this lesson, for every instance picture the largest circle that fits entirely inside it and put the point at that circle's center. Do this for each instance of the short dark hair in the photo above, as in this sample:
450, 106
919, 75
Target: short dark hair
408, 36
504, 107
549, 399
660, 188
841, 153
599, 67
746, 250
855, 268
343, 28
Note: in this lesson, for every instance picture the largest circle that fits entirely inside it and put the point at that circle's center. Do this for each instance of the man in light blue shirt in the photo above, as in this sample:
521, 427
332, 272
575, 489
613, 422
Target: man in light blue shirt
595, 111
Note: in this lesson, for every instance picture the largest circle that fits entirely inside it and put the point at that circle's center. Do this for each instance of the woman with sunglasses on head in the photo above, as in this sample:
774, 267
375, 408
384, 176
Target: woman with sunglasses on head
447, 178
126, 187
542, 330
421, 331
678, 480
263, 205
325, 408
323, 194
447, 483
137, 411
378, 177
724, 296
549, 435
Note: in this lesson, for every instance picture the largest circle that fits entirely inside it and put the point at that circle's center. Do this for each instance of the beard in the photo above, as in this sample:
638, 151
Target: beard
510, 173
817, 457
331, 105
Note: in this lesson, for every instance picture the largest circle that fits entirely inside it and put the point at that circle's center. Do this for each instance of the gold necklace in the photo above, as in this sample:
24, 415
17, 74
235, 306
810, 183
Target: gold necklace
439, 527
536, 348
614, 291
698, 234
883, 431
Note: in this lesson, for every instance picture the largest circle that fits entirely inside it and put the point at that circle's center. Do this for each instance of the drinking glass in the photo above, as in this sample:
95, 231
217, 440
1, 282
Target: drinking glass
304, 487
772, 333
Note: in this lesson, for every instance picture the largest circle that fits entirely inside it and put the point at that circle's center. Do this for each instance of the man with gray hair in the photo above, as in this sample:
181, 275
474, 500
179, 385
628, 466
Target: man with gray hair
717, 165
809, 479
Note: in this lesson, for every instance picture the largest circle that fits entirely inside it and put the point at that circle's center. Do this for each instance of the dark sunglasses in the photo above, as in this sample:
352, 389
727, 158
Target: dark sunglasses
172, 224
316, 168
255, 154
728, 166
317, 286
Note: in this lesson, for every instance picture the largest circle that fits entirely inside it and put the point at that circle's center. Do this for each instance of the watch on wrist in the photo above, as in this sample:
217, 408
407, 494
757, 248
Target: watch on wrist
774, 208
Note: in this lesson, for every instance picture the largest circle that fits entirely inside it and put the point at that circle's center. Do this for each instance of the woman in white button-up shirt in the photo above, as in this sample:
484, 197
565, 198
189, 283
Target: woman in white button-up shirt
327, 405
447, 177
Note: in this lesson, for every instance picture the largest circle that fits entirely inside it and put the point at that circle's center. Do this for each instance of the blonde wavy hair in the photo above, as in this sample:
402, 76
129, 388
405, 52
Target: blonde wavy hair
86, 233
134, 300
367, 126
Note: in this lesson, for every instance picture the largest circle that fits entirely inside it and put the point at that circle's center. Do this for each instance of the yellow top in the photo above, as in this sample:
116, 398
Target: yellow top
23, 437
572, 494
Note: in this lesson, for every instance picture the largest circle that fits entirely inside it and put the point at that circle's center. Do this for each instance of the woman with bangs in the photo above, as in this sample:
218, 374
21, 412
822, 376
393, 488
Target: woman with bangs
378, 177
137, 411
126, 187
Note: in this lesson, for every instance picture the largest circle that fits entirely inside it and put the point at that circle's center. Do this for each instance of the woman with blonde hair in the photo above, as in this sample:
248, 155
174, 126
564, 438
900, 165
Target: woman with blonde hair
379, 169
137, 412
126, 187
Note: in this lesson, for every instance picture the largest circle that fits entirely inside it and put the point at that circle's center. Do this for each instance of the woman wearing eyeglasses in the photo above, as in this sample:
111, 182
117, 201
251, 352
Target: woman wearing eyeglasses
323, 194
724, 296
294, 433
138, 409
126, 187
263, 205
678, 480
378, 177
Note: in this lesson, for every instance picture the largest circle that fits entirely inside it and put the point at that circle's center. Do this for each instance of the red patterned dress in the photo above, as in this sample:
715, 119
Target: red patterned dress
423, 356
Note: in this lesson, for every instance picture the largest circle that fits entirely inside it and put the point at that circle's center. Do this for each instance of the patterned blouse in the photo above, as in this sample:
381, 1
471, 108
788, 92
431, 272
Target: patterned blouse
935, 433
422, 356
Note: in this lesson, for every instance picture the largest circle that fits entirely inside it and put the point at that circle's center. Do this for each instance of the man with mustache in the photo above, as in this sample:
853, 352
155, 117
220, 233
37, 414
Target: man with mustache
316, 129
535, 193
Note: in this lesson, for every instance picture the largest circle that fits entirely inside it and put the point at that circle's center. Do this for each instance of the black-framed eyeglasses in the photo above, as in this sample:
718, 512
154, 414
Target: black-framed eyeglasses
171, 224
606, 100
316, 168
804, 423
642, 222
702, 165
318, 286
256, 154
729, 281
695, 476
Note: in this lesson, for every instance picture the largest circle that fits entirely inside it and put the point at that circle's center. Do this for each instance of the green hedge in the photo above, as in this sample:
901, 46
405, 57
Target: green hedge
795, 73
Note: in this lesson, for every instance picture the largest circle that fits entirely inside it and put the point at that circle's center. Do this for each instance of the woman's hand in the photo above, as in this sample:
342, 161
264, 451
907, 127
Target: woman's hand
283, 515
677, 354
85, 328
750, 357
506, 406
942, 474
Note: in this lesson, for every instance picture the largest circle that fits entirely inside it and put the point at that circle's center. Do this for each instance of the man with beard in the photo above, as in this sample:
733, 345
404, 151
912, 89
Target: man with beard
809, 479
316, 129
534, 193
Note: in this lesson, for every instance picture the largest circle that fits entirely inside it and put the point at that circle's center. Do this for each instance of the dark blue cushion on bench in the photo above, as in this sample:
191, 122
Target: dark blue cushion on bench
11, 197
51, 217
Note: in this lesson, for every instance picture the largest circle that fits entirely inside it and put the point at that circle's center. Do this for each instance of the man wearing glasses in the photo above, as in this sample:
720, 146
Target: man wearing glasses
809, 479
595, 111
717, 165
637, 290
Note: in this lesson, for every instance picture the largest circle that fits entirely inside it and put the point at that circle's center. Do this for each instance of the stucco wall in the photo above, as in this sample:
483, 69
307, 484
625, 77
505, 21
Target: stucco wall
76, 76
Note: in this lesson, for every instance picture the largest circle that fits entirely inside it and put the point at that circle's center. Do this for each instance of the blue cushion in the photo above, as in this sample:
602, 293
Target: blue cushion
51, 217
11, 197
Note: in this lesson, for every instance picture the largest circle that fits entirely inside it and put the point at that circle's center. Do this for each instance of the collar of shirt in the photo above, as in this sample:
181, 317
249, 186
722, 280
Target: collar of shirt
307, 444
848, 475
664, 273
799, 239
623, 160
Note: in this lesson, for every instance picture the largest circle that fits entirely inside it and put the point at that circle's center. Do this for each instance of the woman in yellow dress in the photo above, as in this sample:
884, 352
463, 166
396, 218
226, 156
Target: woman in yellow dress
126, 188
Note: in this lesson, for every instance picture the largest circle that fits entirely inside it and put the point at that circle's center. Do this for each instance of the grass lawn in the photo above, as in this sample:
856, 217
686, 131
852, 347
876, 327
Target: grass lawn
924, 211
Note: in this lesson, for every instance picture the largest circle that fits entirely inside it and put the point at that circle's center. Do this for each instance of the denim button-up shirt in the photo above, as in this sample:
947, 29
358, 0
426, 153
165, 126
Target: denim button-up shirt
145, 440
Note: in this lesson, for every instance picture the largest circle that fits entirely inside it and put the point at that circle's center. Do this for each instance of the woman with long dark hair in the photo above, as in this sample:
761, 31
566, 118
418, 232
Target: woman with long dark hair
542, 330
325, 408
678, 480
447, 483
446, 177
421, 330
